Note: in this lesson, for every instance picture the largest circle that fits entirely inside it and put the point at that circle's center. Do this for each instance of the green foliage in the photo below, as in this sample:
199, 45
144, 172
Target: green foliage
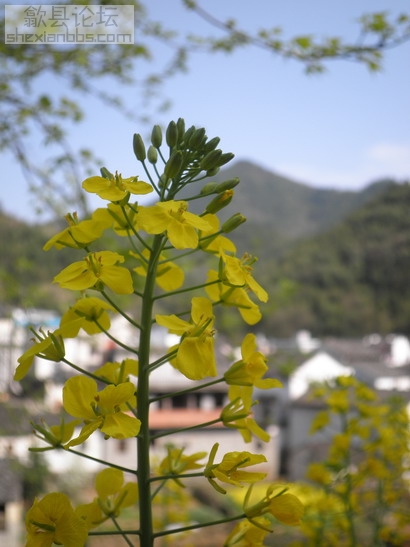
377, 31
347, 281
358, 495
24, 274
353, 279
280, 211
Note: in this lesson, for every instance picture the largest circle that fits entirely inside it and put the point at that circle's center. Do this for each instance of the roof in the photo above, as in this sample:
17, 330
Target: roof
369, 360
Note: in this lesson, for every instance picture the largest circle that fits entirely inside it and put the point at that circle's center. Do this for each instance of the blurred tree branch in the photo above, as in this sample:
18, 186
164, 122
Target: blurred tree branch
377, 33
26, 113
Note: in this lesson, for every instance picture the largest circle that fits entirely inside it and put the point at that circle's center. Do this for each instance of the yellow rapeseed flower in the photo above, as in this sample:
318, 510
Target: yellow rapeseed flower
237, 414
113, 495
250, 369
56, 435
278, 502
238, 273
99, 267
116, 188
169, 276
117, 373
79, 234
195, 357
53, 520
176, 462
249, 534
49, 346
212, 241
287, 508
104, 410
231, 469
173, 217
85, 314
233, 296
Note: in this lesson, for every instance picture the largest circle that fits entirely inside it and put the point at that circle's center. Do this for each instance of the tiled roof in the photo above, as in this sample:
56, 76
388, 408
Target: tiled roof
368, 360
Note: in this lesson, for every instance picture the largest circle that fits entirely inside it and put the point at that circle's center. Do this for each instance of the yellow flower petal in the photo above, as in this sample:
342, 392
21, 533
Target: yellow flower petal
78, 394
121, 426
108, 482
287, 508
196, 358
53, 520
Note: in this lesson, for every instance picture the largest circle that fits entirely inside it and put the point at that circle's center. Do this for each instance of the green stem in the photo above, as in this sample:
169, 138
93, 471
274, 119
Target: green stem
113, 532
83, 371
200, 525
119, 310
115, 340
127, 541
158, 489
164, 359
104, 462
181, 291
183, 429
188, 390
349, 492
181, 476
144, 437
150, 178
134, 231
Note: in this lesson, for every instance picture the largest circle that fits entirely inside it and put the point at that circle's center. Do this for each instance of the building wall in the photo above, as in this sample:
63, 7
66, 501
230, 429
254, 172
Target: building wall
11, 527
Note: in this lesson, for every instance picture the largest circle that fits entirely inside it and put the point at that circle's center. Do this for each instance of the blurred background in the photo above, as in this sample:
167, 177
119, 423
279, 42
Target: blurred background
313, 100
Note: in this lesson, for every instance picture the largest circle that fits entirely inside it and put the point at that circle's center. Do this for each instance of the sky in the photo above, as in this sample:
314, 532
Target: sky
343, 129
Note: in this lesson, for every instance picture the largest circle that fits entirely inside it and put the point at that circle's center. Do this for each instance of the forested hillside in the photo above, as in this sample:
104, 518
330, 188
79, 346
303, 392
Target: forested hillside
280, 211
333, 262
353, 279
25, 269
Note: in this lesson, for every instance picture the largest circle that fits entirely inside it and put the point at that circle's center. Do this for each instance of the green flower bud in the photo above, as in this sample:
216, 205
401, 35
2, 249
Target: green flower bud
227, 185
152, 155
209, 188
225, 158
106, 174
212, 144
139, 147
188, 134
197, 139
219, 202
232, 223
172, 134
173, 165
181, 129
212, 172
210, 161
156, 136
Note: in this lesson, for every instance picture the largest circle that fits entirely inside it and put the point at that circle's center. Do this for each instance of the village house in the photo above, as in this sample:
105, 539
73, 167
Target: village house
381, 363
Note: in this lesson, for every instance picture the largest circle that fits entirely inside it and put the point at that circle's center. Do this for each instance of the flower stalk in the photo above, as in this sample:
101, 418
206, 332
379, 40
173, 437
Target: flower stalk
147, 279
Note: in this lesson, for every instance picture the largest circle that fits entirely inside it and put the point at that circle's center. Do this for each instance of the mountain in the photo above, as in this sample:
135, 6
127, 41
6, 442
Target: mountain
282, 217
25, 270
353, 279
279, 210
